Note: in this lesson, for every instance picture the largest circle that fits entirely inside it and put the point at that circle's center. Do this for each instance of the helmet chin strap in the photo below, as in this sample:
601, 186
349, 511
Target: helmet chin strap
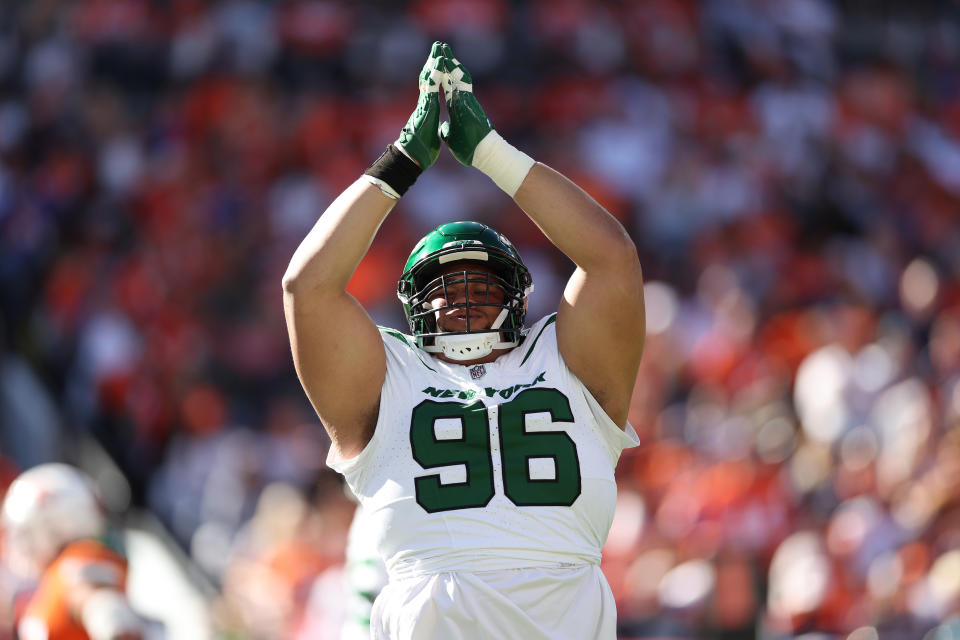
468, 346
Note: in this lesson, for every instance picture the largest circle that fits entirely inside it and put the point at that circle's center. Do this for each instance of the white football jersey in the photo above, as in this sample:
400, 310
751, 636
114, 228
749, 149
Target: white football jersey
487, 468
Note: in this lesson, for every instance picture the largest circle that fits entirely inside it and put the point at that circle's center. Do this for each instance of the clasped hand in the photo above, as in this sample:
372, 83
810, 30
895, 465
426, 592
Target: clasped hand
468, 124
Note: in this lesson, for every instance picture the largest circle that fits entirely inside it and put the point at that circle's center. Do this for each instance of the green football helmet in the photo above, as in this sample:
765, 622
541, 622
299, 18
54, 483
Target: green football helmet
421, 281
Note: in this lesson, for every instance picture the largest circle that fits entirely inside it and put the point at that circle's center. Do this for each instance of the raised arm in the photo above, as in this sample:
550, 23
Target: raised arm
600, 321
336, 347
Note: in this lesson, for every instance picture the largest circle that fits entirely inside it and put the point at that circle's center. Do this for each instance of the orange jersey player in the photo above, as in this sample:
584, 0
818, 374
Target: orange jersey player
53, 528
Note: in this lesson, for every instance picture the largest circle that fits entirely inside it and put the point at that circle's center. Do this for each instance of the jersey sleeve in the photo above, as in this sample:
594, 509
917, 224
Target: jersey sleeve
402, 353
614, 438
543, 340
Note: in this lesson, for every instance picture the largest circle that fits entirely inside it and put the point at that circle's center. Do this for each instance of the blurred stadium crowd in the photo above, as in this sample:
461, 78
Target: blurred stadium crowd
790, 172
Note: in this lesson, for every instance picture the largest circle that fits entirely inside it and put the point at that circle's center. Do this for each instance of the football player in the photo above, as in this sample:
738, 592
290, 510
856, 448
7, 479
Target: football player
481, 448
55, 534
365, 576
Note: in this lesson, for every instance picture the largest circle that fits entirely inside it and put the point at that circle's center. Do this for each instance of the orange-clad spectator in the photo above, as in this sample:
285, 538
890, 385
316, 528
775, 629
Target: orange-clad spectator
54, 531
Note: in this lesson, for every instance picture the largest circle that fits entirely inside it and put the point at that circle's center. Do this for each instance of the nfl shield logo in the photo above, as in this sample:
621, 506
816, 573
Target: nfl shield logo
477, 371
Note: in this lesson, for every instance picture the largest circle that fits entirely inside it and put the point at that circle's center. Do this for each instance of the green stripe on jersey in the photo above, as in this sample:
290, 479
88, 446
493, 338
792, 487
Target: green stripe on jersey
402, 338
546, 324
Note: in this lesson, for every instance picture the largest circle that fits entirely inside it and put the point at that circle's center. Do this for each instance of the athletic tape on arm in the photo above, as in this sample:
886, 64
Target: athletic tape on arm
506, 165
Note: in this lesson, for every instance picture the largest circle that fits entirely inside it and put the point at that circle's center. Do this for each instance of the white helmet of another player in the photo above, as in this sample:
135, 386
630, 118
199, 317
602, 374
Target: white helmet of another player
46, 508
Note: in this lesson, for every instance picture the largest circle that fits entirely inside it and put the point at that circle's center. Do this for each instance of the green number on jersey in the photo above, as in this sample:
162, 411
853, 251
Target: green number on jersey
553, 453
471, 449
554, 450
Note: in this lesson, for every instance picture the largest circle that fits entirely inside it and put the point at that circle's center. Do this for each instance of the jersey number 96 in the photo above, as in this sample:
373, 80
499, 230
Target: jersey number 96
540, 468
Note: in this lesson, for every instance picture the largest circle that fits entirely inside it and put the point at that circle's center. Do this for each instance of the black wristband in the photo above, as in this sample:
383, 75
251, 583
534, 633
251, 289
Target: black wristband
396, 169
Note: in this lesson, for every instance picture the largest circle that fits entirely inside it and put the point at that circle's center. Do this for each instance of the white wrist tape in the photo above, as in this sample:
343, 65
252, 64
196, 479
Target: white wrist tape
386, 189
506, 165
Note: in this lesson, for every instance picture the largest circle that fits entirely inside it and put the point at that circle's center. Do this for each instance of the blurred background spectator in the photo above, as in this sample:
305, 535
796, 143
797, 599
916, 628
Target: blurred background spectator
790, 172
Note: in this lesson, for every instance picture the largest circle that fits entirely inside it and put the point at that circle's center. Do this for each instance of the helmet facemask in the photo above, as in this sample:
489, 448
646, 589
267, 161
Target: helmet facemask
503, 274
447, 295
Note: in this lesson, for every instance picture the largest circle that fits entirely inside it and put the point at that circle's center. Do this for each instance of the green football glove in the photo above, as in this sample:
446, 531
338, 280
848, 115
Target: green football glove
468, 123
420, 137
